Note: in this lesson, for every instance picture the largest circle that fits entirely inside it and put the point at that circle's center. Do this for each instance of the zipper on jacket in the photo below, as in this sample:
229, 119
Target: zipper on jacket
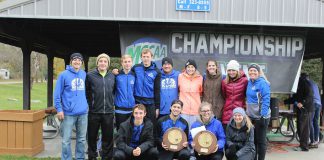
103, 78
127, 90
143, 81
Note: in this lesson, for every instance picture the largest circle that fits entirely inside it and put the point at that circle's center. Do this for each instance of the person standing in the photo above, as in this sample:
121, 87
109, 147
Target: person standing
190, 90
240, 137
233, 88
72, 107
258, 107
314, 125
124, 93
135, 140
100, 86
169, 86
304, 98
213, 88
164, 123
147, 84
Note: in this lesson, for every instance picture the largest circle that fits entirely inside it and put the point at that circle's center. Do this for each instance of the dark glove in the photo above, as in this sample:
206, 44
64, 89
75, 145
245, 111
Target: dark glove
234, 157
231, 152
232, 148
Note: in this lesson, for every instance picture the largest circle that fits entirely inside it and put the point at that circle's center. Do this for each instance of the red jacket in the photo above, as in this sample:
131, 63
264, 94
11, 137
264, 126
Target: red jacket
234, 94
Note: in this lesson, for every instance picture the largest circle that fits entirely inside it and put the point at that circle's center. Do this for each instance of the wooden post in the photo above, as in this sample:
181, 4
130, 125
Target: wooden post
322, 97
66, 61
86, 60
25, 47
50, 68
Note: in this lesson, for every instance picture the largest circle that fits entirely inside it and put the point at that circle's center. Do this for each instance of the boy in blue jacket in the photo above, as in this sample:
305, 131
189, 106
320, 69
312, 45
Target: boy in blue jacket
72, 107
164, 123
169, 86
124, 94
147, 84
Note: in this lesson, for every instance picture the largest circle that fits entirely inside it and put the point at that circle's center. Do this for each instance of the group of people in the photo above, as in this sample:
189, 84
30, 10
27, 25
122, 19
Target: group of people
146, 101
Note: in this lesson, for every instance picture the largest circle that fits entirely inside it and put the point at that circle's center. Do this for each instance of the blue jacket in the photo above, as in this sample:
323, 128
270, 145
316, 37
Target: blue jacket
317, 96
169, 90
258, 92
124, 93
214, 126
69, 94
164, 123
147, 84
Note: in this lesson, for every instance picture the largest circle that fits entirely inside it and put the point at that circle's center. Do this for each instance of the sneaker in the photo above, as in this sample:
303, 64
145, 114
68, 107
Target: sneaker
300, 149
313, 145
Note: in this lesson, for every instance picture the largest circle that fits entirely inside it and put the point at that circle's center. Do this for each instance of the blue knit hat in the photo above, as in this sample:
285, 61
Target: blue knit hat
239, 110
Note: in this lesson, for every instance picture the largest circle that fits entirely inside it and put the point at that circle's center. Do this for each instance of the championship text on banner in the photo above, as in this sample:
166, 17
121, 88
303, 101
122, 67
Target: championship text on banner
279, 53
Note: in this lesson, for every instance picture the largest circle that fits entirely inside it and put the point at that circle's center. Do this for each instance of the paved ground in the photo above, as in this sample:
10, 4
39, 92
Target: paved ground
275, 151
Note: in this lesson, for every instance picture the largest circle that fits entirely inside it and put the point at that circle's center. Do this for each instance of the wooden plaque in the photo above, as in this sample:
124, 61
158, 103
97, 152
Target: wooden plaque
205, 142
174, 138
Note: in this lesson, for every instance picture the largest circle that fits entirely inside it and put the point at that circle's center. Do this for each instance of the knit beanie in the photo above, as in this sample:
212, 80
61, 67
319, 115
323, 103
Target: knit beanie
191, 62
103, 55
253, 65
76, 56
233, 65
167, 60
239, 110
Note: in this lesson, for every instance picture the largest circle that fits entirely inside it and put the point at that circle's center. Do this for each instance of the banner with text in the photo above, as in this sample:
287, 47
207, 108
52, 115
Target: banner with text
278, 54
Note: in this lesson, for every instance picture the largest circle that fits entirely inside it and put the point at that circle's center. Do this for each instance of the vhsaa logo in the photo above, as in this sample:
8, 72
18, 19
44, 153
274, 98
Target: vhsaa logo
159, 50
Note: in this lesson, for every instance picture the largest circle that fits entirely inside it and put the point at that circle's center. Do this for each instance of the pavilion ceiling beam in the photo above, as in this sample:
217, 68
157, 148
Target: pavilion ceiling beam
37, 42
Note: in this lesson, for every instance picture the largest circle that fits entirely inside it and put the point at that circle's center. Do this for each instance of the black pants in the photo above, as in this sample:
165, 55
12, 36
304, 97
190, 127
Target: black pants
214, 156
120, 118
260, 139
303, 118
105, 122
150, 154
183, 154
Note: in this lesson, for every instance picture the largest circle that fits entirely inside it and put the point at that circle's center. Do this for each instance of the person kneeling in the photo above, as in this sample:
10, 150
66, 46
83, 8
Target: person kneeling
240, 137
135, 139
213, 125
166, 122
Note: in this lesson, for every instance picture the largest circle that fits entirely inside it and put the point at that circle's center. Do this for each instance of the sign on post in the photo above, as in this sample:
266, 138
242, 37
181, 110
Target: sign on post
193, 5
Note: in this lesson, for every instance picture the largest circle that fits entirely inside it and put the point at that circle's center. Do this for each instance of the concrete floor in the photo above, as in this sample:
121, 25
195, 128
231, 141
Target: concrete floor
275, 152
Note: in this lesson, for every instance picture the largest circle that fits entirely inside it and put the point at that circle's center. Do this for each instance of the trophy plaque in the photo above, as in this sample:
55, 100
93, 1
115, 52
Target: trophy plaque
205, 142
174, 138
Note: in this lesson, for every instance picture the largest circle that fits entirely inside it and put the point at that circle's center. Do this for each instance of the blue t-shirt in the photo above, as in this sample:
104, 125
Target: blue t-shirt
136, 135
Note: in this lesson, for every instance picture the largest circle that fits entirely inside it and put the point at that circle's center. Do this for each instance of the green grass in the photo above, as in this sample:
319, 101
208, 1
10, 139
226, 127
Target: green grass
15, 91
11, 157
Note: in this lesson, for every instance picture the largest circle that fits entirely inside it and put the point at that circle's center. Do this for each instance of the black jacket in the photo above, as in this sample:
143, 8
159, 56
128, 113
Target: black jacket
100, 92
240, 137
125, 132
304, 94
